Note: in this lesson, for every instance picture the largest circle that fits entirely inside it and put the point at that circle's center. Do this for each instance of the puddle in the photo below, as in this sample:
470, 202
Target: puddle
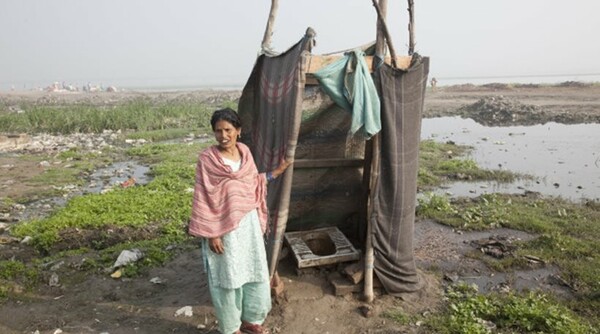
116, 174
440, 247
520, 280
563, 158
101, 179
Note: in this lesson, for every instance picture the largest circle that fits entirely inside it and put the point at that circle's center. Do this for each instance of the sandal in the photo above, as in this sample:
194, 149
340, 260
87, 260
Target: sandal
249, 328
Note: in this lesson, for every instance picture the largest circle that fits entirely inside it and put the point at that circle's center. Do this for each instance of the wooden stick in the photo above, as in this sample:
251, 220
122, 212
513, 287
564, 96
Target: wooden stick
266, 42
371, 217
386, 32
380, 49
411, 27
286, 189
374, 156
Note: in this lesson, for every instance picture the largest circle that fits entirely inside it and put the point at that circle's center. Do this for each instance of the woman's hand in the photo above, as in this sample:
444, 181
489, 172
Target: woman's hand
216, 245
283, 165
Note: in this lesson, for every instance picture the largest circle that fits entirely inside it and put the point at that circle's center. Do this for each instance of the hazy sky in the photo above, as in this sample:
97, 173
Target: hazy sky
212, 43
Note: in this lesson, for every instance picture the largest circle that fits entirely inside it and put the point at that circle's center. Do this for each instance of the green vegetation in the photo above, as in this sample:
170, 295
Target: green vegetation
16, 273
473, 313
161, 135
440, 162
138, 115
67, 168
149, 217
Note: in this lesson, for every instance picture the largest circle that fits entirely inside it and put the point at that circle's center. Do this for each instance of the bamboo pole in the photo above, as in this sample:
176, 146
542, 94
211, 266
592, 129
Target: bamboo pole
266, 42
386, 32
284, 198
375, 151
371, 217
411, 27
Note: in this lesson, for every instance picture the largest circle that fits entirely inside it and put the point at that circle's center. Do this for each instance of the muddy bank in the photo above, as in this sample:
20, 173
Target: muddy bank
501, 105
569, 102
17, 101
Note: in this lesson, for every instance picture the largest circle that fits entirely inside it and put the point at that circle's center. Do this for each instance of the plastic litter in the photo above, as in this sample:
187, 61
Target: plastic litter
127, 257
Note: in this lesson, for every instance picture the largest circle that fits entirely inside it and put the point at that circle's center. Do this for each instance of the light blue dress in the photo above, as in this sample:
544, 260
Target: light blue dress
238, 279
244, 260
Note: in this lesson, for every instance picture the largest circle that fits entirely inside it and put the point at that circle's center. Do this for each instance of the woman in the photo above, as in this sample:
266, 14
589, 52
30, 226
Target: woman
229, 212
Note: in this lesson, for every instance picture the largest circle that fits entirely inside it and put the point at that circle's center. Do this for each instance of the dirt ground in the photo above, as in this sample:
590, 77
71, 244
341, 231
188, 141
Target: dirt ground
101, 304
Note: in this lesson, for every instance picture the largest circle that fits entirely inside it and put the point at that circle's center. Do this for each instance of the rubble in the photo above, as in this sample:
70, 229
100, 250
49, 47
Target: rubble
501, 111
50, 143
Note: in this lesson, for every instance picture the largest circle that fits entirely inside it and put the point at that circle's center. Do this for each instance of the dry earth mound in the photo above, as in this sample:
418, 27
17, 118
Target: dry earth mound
502, 111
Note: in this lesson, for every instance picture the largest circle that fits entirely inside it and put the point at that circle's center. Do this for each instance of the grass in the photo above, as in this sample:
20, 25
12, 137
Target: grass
138, 115
156, 214
14, 274
162, 134
470, 312
442, 162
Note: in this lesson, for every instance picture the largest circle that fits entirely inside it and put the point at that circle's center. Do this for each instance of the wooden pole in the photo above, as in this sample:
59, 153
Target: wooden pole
375, 151
411, 27
380, 50
371, 217
266, 42
381, 18
286, 189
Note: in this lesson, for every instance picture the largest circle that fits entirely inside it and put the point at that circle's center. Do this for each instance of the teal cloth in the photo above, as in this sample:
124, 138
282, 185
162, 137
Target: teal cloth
250, 303
350, 85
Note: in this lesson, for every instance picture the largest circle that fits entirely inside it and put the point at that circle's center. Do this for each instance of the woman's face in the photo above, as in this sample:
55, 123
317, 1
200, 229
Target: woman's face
226, 134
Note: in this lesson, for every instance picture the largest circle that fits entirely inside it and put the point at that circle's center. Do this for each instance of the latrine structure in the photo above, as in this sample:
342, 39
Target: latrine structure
358, 176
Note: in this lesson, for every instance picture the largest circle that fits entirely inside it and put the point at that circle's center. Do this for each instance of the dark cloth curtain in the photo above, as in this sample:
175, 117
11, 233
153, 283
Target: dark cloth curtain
270, 109
401, 94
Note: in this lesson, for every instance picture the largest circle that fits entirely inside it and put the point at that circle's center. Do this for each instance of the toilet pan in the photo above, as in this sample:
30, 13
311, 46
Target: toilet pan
320, 247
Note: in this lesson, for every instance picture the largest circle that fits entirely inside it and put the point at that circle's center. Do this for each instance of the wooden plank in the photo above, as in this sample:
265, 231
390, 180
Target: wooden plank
326, 163
316, 62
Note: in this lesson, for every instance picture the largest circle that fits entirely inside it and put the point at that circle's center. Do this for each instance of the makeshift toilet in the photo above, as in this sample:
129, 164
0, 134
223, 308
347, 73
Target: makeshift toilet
320, 247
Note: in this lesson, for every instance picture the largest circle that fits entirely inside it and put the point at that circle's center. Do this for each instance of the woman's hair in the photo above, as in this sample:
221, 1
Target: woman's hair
228, 115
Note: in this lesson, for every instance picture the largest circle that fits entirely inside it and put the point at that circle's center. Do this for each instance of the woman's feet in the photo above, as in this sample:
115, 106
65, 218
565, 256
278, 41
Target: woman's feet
249, 328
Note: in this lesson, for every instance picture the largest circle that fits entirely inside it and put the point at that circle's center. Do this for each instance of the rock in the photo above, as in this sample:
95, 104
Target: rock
156, 280
4, 227
128, 256
54, 281
186, 311
451, 277
366, 311
355, 271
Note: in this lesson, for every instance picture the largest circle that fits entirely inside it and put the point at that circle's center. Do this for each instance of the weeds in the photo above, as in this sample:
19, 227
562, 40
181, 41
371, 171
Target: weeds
138, 115
15, 273
470, 312
155, 214
163, 134
439, 163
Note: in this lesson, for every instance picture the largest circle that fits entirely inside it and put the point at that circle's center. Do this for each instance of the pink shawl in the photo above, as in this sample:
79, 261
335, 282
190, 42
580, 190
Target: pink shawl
222, 197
